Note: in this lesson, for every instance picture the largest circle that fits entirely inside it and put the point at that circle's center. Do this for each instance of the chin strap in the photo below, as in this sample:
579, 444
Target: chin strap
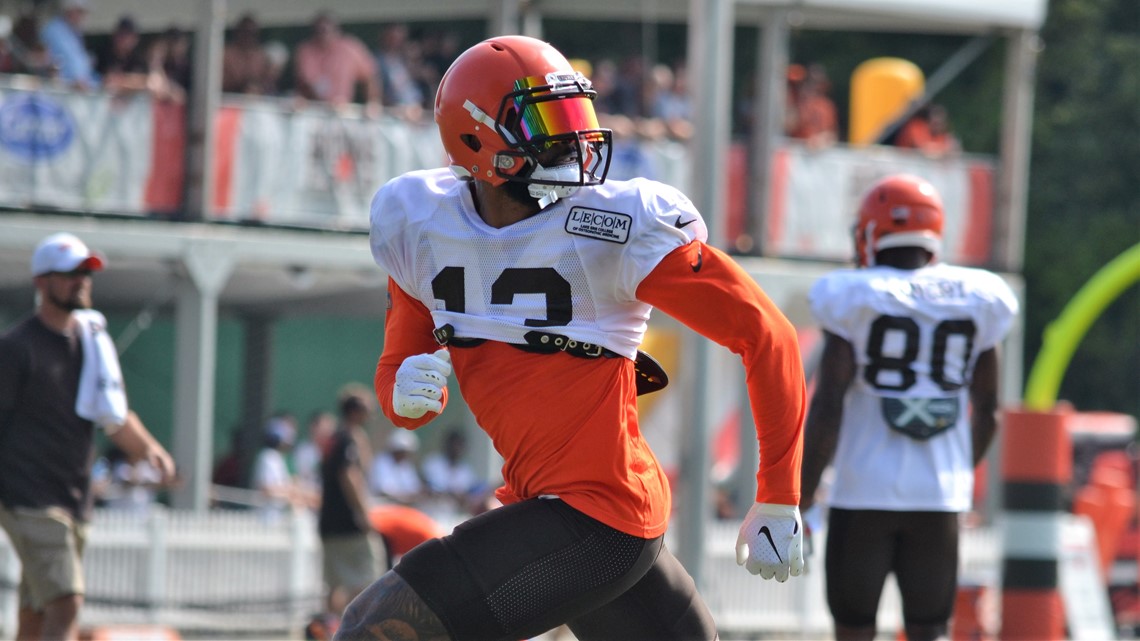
549, 194
547, 200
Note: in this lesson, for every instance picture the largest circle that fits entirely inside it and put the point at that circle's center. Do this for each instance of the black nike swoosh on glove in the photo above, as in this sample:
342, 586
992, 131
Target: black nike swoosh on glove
768, 535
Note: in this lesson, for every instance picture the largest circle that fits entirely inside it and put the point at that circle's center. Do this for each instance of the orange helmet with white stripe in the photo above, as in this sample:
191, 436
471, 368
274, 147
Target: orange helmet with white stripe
900, 210
506, 101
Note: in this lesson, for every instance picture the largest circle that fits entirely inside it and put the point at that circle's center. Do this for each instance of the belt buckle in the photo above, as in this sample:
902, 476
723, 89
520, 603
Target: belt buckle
443, 334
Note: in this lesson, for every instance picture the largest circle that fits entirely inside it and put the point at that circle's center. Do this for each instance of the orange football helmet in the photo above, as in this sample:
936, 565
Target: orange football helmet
506, 101
900, 210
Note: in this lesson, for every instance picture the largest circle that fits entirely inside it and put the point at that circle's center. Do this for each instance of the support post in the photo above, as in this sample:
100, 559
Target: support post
1022, 48
770, 98
204, 100
710, 50
207, 270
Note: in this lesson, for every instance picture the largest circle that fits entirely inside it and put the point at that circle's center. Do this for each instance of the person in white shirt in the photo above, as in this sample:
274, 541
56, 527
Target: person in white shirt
308, 453
448, 474
271, 475
905, 406
395, 477
130, 486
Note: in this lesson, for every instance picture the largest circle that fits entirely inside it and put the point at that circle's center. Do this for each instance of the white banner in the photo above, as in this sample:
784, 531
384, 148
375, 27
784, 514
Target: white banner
816, 197
316, 167
312, 167
74, 151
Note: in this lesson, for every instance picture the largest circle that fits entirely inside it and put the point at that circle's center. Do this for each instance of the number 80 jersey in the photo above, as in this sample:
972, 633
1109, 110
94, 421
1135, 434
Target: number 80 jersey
905, 439
572, 269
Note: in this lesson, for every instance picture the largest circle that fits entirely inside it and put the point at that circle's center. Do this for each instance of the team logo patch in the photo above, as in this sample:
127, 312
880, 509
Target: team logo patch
595, 223
921, 418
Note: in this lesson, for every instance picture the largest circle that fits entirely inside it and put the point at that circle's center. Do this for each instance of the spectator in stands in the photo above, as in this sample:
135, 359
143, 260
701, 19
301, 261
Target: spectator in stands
311, 450
26, 40
12, 58
438, 48
170, 59
228, 470
627, 97
448, 475
122, 62
62, 36
271, 476
794, 85
246, 67
352, 550
60, 380
928, 131
670, 102
816, 119
604, 76
398, 61
331, 64
125, 485
395, 476
278, 54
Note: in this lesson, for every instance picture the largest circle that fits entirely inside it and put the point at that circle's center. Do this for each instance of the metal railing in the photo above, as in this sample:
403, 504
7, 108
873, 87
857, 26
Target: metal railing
222, 571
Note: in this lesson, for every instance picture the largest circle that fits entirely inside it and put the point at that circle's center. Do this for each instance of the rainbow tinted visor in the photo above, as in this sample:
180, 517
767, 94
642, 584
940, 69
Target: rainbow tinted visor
555, 111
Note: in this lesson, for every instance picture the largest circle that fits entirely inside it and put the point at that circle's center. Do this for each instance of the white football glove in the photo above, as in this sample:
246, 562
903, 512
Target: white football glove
420, 382
770, 542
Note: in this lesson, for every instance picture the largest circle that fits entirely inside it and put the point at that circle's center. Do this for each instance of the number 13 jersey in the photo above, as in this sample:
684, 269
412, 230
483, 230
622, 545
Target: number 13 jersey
905, 440
572, 269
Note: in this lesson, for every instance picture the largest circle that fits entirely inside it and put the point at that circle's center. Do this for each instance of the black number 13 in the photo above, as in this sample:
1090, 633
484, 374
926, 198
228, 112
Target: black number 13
448, 286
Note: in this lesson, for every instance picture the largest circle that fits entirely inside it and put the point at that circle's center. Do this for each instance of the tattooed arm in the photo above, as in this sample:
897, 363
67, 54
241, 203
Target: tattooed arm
389, 610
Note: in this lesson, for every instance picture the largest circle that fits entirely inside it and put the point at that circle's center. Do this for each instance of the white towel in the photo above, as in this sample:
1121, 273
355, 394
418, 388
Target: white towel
102, 397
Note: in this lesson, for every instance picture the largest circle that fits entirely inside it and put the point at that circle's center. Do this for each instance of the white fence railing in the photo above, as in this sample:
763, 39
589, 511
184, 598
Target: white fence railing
224, 571
231, 572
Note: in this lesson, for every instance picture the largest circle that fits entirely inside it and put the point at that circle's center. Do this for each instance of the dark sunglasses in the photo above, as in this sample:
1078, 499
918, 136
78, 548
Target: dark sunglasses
75, 273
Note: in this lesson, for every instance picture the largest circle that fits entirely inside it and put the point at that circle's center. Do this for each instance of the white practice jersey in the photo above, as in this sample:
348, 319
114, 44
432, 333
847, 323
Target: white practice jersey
905, 441
572, 269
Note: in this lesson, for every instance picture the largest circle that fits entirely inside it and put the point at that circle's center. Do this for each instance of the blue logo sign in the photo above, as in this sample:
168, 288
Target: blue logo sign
35, 127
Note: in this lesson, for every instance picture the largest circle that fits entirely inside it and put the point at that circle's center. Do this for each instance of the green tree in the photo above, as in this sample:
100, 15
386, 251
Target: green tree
1084, 198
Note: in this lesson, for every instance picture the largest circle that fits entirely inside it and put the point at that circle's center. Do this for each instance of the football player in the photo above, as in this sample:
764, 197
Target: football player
906, 403
537, 275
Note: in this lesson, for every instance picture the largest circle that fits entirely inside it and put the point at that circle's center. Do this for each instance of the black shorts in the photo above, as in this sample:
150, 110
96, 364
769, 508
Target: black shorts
522, 569
863, 546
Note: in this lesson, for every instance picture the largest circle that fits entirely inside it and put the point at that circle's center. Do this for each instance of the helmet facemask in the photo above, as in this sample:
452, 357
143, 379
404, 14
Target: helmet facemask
554, 143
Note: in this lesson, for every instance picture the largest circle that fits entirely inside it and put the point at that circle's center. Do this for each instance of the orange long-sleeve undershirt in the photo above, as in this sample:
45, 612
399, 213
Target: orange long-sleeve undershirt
710, 293
407, 331
720, 301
